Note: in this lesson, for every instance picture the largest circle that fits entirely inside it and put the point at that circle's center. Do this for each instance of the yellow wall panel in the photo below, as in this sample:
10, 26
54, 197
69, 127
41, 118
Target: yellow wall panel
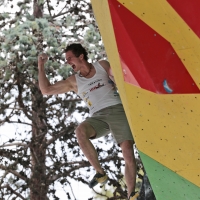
167, 128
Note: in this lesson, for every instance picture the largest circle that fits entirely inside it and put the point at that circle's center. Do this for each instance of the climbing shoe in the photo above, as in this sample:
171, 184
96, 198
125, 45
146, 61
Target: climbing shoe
133, 196
98, 178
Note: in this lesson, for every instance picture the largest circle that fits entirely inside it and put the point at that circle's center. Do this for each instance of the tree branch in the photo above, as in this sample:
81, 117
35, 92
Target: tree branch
19, 122
2, 177
20, 101
13, 191
49, 9
7, 117
6, 23
71, 189
63, 13
13, 172
69, 100
14, 144
55, 137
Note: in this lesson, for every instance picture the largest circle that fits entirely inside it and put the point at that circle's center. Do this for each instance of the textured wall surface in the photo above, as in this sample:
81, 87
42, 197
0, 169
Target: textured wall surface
154, 51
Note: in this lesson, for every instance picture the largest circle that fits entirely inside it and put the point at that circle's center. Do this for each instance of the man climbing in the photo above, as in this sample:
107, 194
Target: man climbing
92, 82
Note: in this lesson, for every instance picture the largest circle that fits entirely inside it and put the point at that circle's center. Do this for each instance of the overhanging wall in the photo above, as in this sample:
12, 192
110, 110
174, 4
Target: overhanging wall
154, 51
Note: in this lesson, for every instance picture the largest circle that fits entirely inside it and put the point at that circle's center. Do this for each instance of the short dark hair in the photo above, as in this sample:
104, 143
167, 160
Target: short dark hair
77, 50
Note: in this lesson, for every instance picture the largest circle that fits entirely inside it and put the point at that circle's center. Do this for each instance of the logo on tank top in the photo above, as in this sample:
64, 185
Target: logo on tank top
93, 82
97, 87
84, 94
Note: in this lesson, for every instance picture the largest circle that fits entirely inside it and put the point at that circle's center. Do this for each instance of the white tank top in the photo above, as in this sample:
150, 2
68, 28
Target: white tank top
99, 91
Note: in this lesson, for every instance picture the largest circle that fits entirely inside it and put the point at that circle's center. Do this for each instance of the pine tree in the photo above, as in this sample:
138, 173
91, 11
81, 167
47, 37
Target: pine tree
44, 150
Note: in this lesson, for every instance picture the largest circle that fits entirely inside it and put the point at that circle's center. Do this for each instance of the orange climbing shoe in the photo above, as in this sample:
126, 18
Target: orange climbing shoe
133, 196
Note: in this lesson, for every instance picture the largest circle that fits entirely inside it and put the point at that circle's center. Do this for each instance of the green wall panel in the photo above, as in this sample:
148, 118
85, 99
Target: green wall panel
166, 184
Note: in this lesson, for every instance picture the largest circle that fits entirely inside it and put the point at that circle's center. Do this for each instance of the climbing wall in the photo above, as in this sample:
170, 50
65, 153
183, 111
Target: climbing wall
154, 51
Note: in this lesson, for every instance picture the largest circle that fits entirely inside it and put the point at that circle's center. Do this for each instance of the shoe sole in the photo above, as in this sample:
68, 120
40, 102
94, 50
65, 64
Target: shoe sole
134, 197
102, 182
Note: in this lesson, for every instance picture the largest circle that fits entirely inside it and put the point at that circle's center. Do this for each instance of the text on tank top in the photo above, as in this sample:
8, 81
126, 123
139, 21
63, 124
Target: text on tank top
99, 91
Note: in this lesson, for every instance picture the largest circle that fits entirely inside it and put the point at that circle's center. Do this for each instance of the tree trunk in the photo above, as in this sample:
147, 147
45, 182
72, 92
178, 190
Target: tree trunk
38, 182
37, 9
